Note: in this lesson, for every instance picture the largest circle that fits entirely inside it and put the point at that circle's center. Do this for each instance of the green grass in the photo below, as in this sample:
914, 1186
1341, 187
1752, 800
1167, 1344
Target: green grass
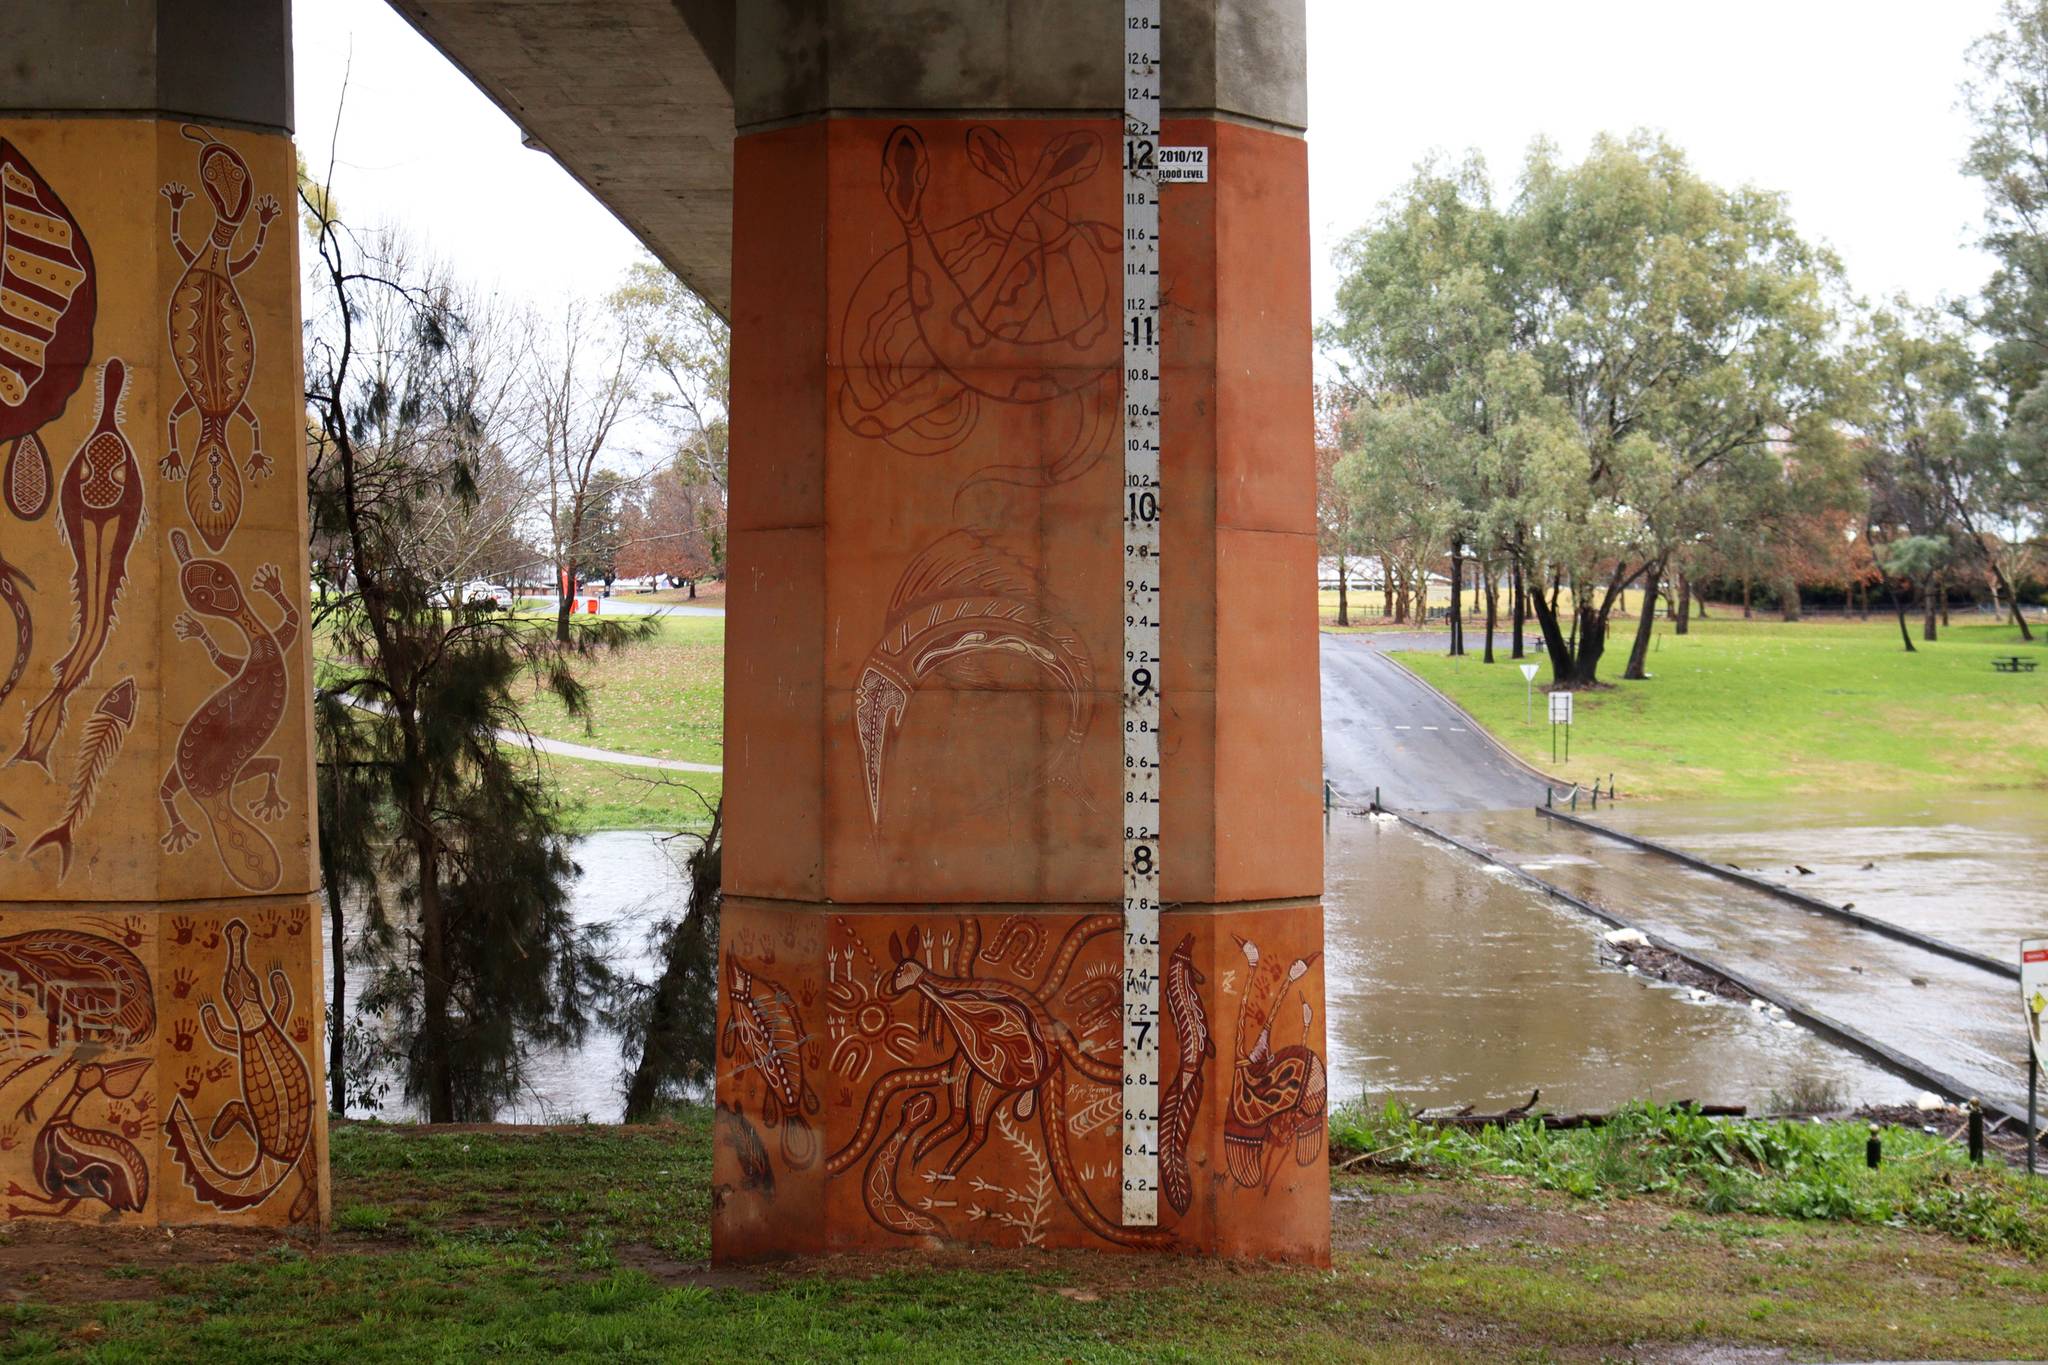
664, 698
587, 1243
597, 796
1779, 1168
1762, 710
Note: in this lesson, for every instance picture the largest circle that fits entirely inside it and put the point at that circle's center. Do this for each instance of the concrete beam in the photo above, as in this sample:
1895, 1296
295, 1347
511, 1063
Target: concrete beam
217, 61
632, 97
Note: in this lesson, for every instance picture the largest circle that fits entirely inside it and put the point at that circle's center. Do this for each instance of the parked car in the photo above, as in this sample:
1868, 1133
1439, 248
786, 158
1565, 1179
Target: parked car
478, 590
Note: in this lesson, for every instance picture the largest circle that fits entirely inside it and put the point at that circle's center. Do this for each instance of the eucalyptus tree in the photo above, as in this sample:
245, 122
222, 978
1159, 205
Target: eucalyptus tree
1691, 334
2008, 101
1925, 418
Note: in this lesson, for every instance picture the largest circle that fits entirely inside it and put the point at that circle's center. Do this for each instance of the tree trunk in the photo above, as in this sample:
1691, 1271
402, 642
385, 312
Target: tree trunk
1941, 588
565, 588
1343, 592
1746, 613
691, 951
2012, 598
1457, 597
1788, 598
1927, 607
1492, 606
337, 1074
1863, 600
1899, 606
1681, 619
691, 584
1521, 604
1638, 669
1553, 636
1386, 589
434, 1039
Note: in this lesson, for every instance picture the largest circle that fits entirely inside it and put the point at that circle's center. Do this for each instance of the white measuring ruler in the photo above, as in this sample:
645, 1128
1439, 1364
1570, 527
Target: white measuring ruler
1140, 511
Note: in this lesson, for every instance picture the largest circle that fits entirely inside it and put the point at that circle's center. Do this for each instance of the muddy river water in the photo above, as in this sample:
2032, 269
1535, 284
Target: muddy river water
1450, 982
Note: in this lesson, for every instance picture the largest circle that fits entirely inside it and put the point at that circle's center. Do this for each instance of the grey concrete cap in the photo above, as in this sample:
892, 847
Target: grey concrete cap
224, 61
1246, 58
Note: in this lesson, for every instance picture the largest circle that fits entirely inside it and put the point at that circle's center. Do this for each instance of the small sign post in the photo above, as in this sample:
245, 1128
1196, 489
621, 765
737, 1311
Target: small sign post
1561, 714
2034, 999
1528, 693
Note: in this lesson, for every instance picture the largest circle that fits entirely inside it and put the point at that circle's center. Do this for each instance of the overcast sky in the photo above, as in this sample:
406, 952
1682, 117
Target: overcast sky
1848, 106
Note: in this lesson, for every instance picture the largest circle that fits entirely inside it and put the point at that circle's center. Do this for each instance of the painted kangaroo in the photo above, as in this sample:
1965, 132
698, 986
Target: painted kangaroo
1008, 1049
276, 1109
212, 342
218, 750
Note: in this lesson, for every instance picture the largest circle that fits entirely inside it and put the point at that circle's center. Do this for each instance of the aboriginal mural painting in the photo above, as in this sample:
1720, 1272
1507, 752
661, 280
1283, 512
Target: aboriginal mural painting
993, 1086
129, 483
147, 1070
78, 1027
1010, 305
212, 342
242, 1127
969, 614
959, 339
155, 1065
972, 1065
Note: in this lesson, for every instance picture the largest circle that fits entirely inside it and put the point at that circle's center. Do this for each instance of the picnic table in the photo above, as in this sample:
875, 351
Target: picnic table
2014, 663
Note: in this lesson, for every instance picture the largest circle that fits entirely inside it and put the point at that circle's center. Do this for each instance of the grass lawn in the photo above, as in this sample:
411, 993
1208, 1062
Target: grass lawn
664, 698
1754, 709
590, 1242
599, 796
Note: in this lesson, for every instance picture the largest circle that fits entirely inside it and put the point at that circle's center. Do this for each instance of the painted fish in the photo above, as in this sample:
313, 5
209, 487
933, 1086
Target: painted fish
99, 511
105, 729
763, 1023
1183, 1097
960, 606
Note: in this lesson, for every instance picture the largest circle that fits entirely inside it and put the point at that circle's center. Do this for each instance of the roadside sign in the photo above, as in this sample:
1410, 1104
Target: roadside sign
1560, 714
1528, 690
1528, 673
2034, 994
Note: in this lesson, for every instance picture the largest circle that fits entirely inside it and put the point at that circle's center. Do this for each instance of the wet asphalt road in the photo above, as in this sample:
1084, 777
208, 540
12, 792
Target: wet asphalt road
1383, 728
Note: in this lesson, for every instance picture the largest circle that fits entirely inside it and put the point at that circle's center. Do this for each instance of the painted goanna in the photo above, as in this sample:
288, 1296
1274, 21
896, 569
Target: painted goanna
219, 748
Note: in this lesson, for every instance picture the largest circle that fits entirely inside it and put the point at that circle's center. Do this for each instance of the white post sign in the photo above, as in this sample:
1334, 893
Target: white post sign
1560, 714
1528, 691
2034, 995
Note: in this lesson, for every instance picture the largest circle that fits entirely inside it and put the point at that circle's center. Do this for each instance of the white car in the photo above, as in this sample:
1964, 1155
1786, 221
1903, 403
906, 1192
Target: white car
478, 590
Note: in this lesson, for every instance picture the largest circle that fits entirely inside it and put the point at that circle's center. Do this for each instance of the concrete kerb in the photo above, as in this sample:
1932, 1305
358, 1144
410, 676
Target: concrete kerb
1505, 752
1833, 1029
1786, 893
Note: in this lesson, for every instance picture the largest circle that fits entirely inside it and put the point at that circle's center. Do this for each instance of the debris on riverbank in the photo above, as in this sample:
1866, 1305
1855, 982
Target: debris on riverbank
1631, 951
